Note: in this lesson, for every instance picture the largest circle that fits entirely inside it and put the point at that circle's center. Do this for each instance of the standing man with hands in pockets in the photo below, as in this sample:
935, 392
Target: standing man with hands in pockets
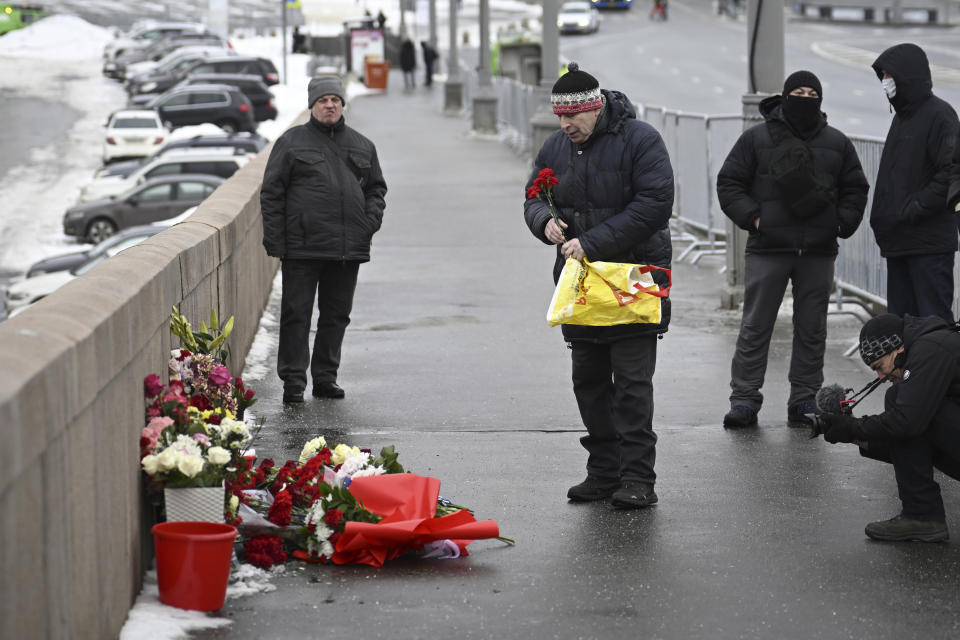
614, 199
321, 202
795, 184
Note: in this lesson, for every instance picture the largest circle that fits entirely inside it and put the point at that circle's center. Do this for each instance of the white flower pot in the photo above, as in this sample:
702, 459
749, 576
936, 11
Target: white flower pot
197, 504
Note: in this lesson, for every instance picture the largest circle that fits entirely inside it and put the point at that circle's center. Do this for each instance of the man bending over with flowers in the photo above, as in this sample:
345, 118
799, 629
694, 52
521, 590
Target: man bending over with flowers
609, 197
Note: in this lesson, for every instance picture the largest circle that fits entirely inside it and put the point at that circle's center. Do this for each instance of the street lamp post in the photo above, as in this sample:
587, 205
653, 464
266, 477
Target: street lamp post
453, 87
544, 123
765, 71
485, 101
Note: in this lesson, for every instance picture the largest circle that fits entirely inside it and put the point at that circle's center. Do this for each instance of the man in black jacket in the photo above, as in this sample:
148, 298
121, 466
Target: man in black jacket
614, 198
321, 202
920, 426
912, 222
795, 184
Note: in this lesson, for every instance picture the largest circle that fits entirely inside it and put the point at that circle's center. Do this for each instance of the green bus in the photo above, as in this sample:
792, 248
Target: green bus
16, 16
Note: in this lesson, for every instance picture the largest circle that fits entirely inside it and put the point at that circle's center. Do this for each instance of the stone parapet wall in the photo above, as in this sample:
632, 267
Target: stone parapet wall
74, 529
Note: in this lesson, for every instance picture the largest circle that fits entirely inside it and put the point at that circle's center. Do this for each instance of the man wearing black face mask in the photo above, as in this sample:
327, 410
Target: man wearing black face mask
795, 184
910, 215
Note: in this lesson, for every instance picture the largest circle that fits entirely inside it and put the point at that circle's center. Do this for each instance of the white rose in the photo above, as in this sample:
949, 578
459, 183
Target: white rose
190, 466
150, 464
167, 459
218, 455
310, 449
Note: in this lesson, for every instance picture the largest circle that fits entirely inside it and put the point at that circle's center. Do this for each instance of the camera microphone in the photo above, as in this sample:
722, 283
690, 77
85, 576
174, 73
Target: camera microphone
830, 397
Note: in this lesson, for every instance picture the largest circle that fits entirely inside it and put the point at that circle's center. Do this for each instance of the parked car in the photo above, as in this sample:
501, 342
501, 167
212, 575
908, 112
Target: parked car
167, 62
156, 199
201, 161
219, 104
578, 17
132, 134
109, 247
241, 143
169, 74
22, 294
233, 64
144, 35
117, 68
262, 67
252, 86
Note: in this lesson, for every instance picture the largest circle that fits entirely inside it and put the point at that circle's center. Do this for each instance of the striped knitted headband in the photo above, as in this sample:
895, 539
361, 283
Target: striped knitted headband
575, 92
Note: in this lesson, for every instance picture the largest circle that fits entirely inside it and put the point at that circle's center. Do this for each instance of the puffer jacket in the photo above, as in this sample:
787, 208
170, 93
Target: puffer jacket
910, 215
746, 191
931, 374
615, 193
316, 206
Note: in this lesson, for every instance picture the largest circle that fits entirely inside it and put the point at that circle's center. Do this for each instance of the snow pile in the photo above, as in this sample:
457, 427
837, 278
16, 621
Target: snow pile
57, 38
150, 618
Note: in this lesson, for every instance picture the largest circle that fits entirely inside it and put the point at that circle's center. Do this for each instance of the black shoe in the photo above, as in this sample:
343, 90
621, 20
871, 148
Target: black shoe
740, 416
593, 488
292, 396
900, 528
634, 495
327, 390
797, 413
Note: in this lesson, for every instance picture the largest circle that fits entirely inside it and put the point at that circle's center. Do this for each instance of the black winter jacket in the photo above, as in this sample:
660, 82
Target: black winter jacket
616, 195
931, 374
746, 190
316, 205
910, 215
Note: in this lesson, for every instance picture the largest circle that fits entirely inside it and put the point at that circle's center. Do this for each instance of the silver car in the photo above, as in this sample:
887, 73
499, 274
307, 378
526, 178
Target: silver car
578, 17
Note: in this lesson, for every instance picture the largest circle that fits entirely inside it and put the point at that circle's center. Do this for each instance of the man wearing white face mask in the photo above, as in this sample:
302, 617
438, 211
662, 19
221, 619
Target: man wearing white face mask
911, 220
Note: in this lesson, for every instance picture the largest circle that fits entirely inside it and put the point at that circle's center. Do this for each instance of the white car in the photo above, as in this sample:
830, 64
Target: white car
132, 133
223, 163
578, 17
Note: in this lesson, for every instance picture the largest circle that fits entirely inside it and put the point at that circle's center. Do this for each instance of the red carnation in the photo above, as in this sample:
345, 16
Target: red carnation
533, 191
264, 551
281, 508
333, 517
152, 385
216, 418
201, 402
266, 465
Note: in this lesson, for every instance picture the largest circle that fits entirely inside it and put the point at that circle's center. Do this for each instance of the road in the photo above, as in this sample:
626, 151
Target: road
697, 61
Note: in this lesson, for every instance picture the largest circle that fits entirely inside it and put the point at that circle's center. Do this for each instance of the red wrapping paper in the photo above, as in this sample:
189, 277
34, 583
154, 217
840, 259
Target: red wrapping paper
407, 503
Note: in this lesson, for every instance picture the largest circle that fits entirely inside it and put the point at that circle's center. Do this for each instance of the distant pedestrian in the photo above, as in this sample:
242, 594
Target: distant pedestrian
614, 198
912, 222
298, 41
919, 429
321, 202
381, 20
408, 62
429, 58
795, 184
659, 10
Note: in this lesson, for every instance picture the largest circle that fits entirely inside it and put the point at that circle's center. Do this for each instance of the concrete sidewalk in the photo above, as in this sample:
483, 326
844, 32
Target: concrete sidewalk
758, 534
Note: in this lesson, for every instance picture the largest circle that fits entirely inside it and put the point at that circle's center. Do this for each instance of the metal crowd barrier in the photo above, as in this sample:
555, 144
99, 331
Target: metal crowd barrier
698, 145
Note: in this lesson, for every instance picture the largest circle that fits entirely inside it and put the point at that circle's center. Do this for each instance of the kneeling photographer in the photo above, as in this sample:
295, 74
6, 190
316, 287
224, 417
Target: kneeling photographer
920, 426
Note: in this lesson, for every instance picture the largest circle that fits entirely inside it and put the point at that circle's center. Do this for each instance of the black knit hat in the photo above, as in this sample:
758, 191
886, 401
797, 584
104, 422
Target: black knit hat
880, 336
576, 91
802, 79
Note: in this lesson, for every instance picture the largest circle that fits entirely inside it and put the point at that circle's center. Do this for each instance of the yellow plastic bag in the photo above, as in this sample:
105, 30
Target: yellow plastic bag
603, 294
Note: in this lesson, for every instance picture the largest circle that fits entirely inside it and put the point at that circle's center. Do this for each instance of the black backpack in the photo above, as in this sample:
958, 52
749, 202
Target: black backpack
805, 187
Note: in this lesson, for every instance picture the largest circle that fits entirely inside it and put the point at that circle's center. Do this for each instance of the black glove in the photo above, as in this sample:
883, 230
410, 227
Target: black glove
838, 427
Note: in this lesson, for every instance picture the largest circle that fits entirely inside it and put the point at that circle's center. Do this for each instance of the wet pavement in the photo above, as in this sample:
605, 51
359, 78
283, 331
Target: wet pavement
758, 533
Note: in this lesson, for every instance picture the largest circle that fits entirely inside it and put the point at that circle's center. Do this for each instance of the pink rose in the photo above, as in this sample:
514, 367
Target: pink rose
202, 439
151, 433
152, 385
220, 376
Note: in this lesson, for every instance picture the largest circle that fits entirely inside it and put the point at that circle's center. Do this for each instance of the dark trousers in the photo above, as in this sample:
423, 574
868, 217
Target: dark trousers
613, 384
330, 283
914, 460
428, 74
765, 281
921, 285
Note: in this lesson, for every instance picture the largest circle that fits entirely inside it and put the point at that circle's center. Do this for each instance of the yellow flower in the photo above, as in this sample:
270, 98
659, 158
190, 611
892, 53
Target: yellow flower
311, 448
342, 452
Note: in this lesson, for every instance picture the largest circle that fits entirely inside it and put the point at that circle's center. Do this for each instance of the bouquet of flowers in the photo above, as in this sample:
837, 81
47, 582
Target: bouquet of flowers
315, 509
542, 188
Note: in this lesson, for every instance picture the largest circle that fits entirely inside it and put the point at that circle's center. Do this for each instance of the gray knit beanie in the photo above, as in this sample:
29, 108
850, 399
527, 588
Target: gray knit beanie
324, 85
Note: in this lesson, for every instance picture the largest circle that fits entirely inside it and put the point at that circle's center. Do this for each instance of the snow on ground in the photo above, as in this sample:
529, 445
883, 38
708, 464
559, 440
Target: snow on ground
57, 38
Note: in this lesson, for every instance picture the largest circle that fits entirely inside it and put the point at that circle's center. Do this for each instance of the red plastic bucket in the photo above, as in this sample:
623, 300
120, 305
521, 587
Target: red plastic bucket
193, 563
